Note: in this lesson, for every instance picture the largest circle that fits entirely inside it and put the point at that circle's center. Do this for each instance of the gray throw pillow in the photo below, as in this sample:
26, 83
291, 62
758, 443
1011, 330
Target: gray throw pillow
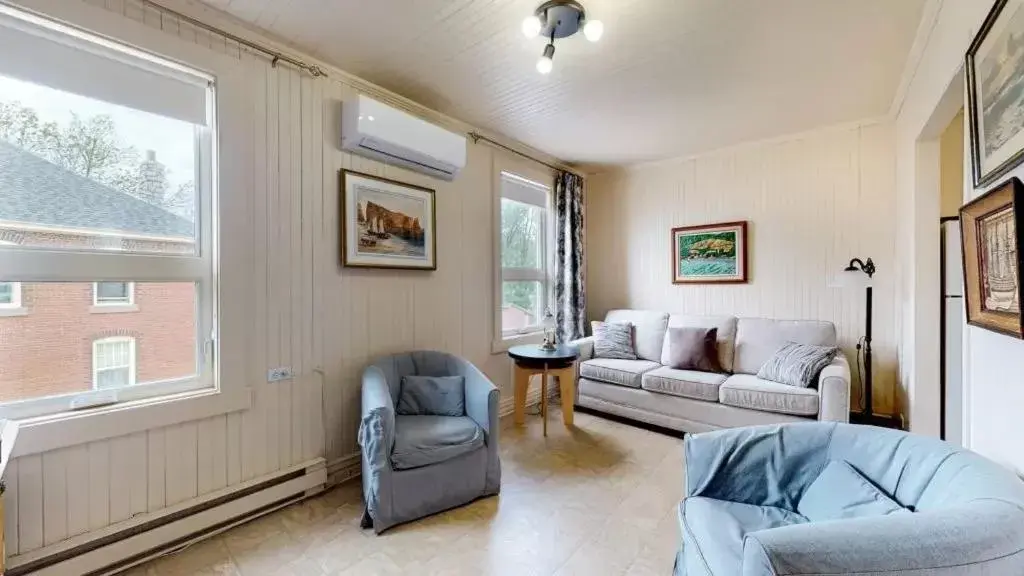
691, 348
613, 340
432, 396
797, 364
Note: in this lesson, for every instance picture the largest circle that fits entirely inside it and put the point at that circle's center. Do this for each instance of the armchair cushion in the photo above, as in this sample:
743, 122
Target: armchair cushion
432, 396
715, 529
425, 440
842, 492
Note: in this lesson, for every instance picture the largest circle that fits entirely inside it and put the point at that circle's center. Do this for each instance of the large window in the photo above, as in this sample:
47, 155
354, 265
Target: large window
106, 164
524, 247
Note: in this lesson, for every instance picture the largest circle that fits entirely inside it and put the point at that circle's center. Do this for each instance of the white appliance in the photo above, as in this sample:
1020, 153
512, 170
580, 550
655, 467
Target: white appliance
375, 130
952, 333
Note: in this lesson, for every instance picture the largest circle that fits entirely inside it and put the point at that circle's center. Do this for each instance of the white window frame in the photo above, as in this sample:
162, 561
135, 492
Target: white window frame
52, 423
15, 296
130, 301
12, 308
132, 365
541, 179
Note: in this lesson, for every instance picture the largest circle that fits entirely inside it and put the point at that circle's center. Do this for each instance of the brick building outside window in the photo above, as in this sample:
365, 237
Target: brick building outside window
59, 338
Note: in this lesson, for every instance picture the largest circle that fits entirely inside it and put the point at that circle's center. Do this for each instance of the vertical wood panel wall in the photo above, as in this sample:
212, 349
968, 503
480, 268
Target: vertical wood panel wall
813, 201
324, 321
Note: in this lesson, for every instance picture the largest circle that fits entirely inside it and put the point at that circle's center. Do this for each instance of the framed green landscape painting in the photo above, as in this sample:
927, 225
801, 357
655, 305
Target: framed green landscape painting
710, 254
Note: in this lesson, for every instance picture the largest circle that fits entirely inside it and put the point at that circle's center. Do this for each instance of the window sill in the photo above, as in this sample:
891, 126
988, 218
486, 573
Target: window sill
10, 312
47, 433
113, 308
502, 346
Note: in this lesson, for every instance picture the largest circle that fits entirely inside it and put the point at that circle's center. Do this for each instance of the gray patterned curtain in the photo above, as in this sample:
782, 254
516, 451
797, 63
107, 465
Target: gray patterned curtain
570, 300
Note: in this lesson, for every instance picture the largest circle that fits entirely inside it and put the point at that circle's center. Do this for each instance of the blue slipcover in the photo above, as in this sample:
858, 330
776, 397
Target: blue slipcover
438, 465
967, 519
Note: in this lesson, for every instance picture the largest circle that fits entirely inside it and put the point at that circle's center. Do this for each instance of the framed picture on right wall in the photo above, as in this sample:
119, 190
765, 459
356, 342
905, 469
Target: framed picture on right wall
995, 93
993, 259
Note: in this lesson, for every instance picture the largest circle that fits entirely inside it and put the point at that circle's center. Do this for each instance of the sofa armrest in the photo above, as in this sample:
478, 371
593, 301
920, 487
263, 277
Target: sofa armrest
984, 537
585, 346
733, 464
834, 388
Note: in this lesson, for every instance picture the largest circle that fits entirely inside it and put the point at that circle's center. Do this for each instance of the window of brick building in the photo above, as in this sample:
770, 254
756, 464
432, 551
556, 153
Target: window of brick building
10, 294
106, 181
113, 362
113, 293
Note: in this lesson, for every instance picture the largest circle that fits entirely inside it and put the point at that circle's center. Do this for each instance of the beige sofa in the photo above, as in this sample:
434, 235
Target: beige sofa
693, 401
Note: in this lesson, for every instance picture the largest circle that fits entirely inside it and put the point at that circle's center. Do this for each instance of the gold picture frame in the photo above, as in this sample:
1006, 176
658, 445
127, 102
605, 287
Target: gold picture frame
386, 223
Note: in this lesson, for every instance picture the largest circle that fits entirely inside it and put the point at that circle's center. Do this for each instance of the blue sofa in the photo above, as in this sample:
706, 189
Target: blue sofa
415, 466
958, 513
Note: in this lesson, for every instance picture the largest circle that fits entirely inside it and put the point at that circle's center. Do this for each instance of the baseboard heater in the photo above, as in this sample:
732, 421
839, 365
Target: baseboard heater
174, 528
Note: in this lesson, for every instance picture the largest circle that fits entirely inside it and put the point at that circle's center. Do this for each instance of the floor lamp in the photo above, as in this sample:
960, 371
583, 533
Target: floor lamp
866, 415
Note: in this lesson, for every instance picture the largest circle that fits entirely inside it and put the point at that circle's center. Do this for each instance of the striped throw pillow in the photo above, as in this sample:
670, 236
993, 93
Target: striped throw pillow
797, 364
613, 340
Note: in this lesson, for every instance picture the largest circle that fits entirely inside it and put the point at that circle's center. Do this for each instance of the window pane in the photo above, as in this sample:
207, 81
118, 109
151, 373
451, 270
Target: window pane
521, 305
112, 291
49, 351
522, 234
78, 173
6, 293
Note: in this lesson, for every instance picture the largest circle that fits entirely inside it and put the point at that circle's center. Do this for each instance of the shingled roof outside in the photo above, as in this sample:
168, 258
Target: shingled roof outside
36, 191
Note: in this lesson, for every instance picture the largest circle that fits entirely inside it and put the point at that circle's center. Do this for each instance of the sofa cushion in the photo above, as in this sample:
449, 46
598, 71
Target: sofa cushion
757, 339
713, 532
425, 440
726, 326
840, 491
615, 371
432, 396
798, 364
746, 391
649, 330
613, 340
685, 383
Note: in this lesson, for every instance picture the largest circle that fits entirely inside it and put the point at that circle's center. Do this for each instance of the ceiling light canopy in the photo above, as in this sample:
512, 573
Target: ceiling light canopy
559, 19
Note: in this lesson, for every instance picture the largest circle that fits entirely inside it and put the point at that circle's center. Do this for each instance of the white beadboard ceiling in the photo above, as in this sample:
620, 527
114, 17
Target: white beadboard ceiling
669, 77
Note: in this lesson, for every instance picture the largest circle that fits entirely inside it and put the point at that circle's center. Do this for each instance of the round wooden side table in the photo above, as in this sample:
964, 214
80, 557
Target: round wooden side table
531, 360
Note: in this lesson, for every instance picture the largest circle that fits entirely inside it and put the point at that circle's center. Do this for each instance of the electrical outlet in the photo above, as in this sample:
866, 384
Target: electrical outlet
279, 373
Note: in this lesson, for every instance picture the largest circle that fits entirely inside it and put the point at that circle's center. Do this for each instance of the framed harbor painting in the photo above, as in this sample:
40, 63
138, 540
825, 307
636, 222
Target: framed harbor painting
711, 254
995, 93
386, 224
992, 255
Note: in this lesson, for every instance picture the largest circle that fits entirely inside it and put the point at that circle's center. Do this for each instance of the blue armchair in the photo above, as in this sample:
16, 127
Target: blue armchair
956, 513
415, 466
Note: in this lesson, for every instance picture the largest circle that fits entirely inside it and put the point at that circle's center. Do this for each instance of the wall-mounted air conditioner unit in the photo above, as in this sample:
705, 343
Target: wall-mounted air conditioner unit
380, 132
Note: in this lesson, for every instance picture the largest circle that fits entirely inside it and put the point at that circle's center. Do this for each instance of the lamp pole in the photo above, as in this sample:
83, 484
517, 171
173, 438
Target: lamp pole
867, 267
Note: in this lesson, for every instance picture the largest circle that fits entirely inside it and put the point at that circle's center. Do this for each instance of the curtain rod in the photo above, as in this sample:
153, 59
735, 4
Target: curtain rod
478, 137
275, 56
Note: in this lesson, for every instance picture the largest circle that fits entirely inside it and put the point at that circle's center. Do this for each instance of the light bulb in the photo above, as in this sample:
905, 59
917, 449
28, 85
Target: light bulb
531, 27
593, 30
544, 65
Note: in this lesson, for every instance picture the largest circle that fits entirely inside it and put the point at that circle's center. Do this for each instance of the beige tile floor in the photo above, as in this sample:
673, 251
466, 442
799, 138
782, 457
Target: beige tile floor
597, 500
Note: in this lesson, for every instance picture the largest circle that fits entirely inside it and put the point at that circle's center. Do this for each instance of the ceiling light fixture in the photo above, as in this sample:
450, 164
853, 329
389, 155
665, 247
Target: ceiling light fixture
559, 19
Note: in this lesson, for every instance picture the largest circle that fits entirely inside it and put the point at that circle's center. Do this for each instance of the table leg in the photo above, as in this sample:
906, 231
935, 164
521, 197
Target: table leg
544, 398
567, 387
521, 385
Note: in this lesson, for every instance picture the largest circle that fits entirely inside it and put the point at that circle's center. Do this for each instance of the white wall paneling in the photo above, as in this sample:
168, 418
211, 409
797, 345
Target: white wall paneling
302, 310
813, 201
